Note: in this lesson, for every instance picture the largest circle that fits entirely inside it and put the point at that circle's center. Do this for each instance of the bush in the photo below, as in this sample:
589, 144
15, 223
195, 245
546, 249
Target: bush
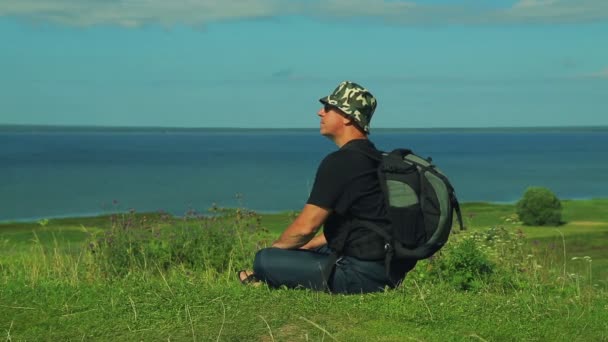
219, 243
489, 259
463, 265
539, 207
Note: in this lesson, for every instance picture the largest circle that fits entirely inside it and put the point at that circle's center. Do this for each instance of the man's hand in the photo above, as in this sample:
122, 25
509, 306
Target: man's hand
303, 228
318, 241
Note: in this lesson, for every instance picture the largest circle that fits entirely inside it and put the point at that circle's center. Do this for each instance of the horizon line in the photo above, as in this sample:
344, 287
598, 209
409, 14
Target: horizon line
51, 127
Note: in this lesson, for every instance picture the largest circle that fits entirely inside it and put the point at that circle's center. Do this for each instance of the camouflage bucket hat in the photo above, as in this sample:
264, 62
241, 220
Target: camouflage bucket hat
355, 101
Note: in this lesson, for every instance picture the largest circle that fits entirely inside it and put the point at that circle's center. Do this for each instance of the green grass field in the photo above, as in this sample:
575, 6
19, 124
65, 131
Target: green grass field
551, 284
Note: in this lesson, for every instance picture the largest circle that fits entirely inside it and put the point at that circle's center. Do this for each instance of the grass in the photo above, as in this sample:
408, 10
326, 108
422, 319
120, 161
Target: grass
191, 308
585, 231
52, 289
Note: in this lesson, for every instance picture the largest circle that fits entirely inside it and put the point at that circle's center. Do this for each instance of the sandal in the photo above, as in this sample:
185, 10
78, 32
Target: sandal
250, 278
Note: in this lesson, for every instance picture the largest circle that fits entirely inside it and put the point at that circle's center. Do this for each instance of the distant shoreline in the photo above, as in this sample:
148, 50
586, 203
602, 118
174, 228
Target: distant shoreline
153, 129
267, 212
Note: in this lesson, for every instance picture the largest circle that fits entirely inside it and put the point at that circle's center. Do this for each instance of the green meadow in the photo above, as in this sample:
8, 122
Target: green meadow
151, 276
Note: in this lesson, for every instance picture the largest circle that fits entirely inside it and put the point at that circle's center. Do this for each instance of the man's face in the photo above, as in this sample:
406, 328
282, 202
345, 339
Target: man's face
332, 121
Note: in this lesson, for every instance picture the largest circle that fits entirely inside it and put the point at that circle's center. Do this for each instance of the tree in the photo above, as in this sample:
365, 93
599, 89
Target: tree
539, 207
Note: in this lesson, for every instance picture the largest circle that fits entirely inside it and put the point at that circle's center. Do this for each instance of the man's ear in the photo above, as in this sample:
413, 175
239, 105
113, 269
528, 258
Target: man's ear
347, 121
350, 122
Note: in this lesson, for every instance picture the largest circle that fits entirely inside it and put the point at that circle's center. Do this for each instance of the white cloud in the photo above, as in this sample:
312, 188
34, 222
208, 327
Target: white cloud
133, 13
534, 3
558, 11
130, 13
601, 74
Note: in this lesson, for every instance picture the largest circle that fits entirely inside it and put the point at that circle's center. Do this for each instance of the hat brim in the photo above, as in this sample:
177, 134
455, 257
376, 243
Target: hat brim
325, 101
345, 112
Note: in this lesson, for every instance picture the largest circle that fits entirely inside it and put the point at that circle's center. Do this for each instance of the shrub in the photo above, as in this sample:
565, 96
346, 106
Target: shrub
219, 243
539, 207
493, 258
464, 265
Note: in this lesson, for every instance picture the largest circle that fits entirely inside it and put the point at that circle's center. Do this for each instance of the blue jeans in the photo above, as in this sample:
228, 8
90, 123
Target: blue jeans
304, 269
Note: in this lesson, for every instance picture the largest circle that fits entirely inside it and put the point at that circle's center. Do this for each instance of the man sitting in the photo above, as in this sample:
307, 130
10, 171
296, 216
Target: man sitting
347, 257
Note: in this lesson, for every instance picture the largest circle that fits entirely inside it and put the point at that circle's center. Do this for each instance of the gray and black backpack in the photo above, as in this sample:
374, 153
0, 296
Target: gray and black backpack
420, 205
420, 202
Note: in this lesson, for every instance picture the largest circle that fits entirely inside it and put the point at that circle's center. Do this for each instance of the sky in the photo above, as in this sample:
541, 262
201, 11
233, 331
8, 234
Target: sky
265, 63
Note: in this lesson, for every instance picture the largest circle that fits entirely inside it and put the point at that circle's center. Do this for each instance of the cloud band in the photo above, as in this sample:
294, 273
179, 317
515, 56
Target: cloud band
134, 13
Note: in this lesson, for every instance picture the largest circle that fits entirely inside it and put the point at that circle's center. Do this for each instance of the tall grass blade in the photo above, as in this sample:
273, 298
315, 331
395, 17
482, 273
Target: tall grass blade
223, 320
319, 327
424, 301
8, 333
268, 326
191, 324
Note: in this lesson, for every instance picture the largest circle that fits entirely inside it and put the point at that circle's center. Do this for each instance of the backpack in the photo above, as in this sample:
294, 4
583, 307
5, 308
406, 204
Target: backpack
420, 202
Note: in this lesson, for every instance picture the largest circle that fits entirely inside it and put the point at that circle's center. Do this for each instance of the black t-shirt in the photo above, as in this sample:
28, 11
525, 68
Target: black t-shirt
347, 183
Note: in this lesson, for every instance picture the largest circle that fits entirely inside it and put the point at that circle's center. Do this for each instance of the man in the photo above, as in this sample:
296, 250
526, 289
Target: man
347, 257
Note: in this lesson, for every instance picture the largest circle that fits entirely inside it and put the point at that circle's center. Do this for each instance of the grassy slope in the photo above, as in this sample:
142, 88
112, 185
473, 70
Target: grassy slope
140, 309
190, 307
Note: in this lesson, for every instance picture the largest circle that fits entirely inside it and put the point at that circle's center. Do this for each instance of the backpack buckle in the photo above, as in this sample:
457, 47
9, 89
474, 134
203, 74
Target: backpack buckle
388, 247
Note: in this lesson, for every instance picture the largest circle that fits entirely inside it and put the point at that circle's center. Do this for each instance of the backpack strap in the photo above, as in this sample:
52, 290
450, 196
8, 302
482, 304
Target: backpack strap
395, 158
389, 251
338, 250
391, 161
456, 206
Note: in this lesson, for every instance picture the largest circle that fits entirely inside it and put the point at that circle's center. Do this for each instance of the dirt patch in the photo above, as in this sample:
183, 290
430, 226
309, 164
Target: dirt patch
588, 223
289, 332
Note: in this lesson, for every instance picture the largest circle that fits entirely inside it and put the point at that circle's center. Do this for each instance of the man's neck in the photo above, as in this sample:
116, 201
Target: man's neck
343, 140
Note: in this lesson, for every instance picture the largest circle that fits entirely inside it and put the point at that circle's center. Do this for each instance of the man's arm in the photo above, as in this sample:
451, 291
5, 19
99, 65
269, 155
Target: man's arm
303, 228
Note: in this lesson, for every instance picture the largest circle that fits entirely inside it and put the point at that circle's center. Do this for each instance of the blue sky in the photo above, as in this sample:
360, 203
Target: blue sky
265, 63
